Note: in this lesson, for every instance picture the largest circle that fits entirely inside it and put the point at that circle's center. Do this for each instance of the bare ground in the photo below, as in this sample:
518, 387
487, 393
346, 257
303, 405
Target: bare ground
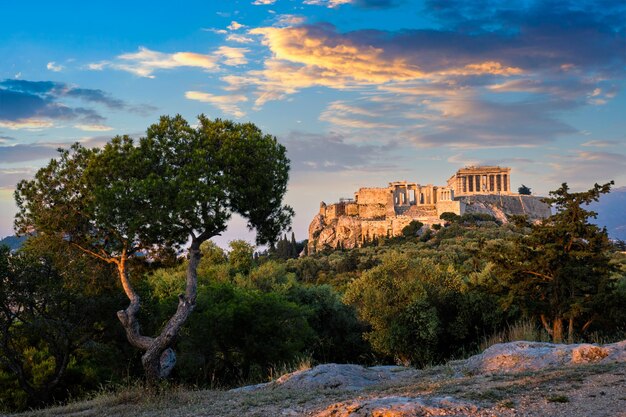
583, 390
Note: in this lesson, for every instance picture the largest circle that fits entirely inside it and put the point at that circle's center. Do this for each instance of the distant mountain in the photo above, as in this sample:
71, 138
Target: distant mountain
611, 211
13, 242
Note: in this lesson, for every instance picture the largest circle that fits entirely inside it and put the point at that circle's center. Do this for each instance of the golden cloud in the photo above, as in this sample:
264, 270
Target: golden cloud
308, 56
233, 56
145, 61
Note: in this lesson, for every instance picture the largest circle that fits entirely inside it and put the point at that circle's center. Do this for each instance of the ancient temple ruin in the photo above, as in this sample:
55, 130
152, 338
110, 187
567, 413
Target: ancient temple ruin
383, 212
474, 180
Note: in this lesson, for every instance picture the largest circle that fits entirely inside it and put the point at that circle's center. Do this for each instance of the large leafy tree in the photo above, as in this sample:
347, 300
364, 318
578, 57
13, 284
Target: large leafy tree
45, 322
560, 272
178, 185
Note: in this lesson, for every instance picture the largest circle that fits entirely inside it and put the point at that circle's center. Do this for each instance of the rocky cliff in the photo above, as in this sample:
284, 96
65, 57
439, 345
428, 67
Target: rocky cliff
350, 231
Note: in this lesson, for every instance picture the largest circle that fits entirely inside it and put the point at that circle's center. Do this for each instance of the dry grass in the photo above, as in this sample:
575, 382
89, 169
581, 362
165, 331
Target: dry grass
521, 330
595, 389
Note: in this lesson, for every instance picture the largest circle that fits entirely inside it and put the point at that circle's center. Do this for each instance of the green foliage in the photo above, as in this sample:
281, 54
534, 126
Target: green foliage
238, 334
241, 256
561, 270
449, 217
47, 325
338, 333
420, 311
412, 229
523, 190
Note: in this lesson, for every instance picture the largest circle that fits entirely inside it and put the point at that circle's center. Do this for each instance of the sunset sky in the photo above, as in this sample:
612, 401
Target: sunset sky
361, 92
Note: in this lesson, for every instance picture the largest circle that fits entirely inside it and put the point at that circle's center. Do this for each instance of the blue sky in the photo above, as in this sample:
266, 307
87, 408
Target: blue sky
362, 92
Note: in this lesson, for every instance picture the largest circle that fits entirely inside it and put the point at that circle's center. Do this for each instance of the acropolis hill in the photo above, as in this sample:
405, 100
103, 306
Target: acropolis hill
384, 212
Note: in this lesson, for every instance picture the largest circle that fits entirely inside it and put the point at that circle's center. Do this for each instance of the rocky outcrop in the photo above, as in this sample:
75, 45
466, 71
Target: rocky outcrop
531, 356
507, 205
336, 376
358, 391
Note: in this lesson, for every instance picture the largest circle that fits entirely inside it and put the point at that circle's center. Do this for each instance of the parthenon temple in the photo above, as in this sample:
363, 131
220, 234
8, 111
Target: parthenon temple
481, 180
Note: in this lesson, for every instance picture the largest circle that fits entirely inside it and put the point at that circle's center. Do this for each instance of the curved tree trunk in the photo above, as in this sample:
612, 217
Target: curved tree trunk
159, 357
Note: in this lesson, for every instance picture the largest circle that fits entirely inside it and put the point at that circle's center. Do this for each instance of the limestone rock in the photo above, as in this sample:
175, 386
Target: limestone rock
502, 206
531, 356
336, 376
399, 407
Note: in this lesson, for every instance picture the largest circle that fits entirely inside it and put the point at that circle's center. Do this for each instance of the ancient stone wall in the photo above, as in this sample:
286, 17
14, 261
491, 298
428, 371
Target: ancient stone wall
373, 203
456, 207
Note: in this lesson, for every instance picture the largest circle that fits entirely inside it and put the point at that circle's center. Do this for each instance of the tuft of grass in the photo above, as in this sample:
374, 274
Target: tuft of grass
558, 399
521, 330
301, 363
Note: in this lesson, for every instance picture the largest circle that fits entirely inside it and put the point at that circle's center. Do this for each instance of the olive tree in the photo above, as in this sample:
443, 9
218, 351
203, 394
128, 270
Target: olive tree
177, 185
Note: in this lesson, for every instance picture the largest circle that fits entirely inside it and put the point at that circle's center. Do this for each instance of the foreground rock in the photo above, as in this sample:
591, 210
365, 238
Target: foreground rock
377, 386
532, 356
399, 407
335, 376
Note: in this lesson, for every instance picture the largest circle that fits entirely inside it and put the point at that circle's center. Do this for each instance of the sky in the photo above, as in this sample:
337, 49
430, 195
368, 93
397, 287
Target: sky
361, 92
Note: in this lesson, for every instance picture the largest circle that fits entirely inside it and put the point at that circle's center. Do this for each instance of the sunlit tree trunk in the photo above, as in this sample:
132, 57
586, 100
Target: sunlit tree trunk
159, 358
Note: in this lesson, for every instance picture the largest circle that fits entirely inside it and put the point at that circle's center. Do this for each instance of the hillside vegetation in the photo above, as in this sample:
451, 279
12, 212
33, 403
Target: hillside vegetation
420, 300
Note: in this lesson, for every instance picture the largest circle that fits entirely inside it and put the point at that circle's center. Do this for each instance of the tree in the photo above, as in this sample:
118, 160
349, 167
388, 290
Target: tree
45, 323
241, 256
450, 217
560, 272
523, 190
412, 229
179, 184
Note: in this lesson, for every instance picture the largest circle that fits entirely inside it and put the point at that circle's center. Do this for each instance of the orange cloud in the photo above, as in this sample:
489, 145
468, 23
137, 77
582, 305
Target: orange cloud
337, 57
308, 56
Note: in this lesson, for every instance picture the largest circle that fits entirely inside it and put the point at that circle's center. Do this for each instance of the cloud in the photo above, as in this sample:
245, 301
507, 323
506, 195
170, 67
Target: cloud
328, 3
263, 2
468, 83
37, 104
218, 31
26, 123
581, 169
53, 66
226, 103
145, 62
235, 25
341, 114
28, 152
234, 37
5, 139
289, 20
601, 143
333, 153
93, 127
233, 56
472, 122
10, 177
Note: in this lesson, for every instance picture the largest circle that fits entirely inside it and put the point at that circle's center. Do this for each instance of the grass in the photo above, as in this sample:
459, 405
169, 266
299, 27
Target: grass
494, 392
521, 330
558, 399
